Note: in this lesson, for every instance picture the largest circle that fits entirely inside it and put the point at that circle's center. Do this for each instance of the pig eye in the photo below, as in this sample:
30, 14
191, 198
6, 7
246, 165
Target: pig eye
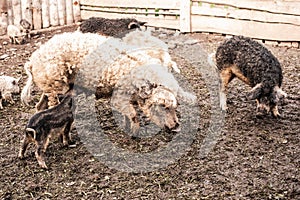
14, 82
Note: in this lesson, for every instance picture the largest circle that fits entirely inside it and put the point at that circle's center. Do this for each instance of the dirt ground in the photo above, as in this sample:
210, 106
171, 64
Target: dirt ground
255, 157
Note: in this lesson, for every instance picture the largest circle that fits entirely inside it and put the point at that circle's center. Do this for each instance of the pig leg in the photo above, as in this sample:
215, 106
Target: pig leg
275, 111
42, 104
8, 98
39, 153
66, 139
226, 76
1, 107
24, 144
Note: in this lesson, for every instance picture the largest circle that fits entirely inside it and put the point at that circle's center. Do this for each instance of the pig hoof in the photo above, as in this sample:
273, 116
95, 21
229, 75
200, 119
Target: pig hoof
21, 157
43, 165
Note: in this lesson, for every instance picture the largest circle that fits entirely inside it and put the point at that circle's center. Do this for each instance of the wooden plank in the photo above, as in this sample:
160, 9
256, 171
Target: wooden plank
3, 6
69, 11
151, 21
3, 23
76, 10
268, 31
16, 5
3, 17
61, 8
246, 14
283, 7
185, 16
45, 14
10, 16
26, 10
53, 13
166, 4
36, 14
132, 11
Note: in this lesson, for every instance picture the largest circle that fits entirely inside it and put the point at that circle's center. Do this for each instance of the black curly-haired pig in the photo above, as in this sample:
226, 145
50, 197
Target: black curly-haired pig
255, 65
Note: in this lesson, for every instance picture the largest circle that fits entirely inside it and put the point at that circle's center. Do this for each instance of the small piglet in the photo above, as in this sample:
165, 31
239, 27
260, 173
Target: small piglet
25, 27
15, 35
42, 125
8, 86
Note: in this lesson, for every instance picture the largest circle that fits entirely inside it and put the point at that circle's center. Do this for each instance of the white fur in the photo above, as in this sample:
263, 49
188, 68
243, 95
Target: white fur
54, 65
8, 86
15, 34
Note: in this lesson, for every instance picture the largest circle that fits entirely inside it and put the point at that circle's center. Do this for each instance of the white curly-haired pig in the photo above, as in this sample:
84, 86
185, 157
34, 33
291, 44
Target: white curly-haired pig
53, 67
8, 86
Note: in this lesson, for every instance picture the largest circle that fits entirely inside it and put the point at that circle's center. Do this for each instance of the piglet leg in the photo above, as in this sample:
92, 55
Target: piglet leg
66, 139
39, 154
24, 145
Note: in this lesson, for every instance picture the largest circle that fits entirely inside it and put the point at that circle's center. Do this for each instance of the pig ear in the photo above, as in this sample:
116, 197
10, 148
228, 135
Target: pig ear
255, 92
18, 79
31, 132
133, 25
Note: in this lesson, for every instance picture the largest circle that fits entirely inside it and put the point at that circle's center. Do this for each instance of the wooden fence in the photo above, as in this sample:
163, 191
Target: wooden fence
274, 20
270, 20
40, 13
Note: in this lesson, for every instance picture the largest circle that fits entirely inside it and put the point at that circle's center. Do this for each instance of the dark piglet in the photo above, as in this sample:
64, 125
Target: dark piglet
42, 125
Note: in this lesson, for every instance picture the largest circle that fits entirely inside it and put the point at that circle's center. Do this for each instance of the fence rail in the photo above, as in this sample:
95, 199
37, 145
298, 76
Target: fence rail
273, 20
264, 19
40, 13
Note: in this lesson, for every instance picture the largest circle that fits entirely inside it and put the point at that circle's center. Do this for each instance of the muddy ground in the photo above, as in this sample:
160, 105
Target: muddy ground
255, 157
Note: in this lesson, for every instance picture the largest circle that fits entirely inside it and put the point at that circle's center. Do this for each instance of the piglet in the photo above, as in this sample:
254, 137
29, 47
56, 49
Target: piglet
42, 125
25, 27
15, 35
8, 86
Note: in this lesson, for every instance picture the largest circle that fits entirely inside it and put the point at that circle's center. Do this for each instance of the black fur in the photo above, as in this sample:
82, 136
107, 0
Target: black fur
109, 27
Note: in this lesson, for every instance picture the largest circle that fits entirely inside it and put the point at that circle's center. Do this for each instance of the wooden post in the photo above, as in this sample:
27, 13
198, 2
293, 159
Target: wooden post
26, 8
37, 14
3, 5
45, 14
185, 16
16, 5
69, 11
3, 21
53, 13
9, 12
61, 12
76, 10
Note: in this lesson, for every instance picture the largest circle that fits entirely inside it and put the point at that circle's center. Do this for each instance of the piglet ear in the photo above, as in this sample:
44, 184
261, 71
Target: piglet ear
18, 79
31, 132
255, 92
133, 25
